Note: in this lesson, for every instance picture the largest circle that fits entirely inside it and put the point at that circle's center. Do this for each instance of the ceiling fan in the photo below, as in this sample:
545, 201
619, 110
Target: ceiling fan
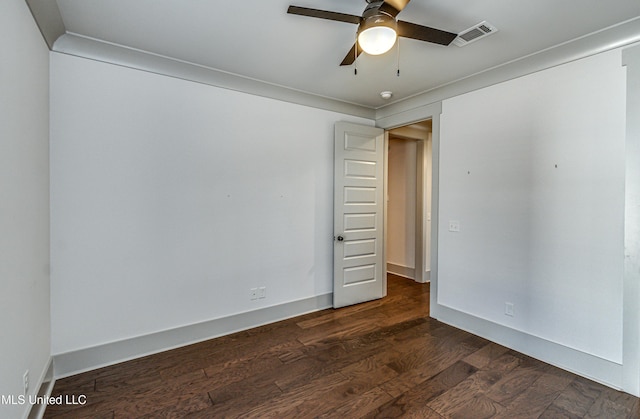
378, 27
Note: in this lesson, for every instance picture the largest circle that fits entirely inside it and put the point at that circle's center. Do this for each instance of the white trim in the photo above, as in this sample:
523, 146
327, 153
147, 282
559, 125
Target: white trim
578, 362
93, 49
401, 270
623, 34
75, 362
411, 133
410, 116
420, 211
431, 111
45, 388
631, 292
48, 18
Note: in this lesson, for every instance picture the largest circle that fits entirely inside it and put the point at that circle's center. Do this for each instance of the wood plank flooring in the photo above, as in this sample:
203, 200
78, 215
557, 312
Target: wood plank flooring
382, 359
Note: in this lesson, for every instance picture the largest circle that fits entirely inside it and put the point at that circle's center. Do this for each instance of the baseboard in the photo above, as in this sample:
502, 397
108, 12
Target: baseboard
36, 411
401, 270
581, 363
75, 362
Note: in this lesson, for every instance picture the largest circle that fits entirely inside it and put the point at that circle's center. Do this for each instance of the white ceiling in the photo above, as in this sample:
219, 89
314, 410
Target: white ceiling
259, 40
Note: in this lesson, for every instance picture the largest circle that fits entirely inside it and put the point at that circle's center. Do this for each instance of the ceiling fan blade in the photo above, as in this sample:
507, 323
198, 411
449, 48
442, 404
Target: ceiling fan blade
393, 7
424, 33
351, 55
323, 14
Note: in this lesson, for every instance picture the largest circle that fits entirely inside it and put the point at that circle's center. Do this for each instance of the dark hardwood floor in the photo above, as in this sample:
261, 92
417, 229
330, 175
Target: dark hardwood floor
381, 359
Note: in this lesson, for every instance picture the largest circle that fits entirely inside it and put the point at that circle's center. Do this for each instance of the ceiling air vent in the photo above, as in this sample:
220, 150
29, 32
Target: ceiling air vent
474, 33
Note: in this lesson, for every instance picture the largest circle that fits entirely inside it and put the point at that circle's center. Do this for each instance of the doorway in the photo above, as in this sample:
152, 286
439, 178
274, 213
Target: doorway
360, 208
408, 201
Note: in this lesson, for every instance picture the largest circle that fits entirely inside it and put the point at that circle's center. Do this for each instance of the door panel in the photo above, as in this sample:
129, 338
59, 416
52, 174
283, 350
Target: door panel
359, 248
358, 259
360, 222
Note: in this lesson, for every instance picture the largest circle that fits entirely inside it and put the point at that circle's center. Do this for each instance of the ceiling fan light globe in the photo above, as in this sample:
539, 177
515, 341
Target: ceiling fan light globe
377, 40
377, 32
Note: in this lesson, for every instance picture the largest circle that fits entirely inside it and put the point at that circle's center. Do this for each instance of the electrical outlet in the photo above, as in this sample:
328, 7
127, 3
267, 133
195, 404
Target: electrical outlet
262, 292
253, 293
508, 309
25, 382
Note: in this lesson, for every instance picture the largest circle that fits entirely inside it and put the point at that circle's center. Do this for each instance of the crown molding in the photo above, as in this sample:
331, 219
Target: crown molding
621, 35
48, 18
98, 50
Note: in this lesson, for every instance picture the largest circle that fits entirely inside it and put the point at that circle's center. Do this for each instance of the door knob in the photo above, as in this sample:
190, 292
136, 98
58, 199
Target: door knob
340, 238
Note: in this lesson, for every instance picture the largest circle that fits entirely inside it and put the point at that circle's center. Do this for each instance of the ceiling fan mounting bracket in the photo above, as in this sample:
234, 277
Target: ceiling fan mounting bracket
373, 9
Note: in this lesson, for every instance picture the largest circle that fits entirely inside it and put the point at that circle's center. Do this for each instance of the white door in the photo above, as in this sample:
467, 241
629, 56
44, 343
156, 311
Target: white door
358, 260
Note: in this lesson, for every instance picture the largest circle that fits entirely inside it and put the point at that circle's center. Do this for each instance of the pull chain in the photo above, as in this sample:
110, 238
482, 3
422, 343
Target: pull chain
355, 58
398, 57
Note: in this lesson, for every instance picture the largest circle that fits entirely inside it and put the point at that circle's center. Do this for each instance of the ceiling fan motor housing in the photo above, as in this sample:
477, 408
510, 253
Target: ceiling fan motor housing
377, 20
373, 16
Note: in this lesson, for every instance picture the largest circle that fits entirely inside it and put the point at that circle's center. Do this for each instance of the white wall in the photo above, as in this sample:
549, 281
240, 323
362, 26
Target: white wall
533, 169
24, 204
401, 205
171, 199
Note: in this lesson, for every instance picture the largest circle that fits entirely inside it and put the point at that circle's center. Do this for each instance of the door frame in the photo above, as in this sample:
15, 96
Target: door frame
422, 113
421, 193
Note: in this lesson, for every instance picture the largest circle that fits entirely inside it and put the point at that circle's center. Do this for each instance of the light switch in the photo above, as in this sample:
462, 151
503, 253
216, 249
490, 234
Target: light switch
454, 225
